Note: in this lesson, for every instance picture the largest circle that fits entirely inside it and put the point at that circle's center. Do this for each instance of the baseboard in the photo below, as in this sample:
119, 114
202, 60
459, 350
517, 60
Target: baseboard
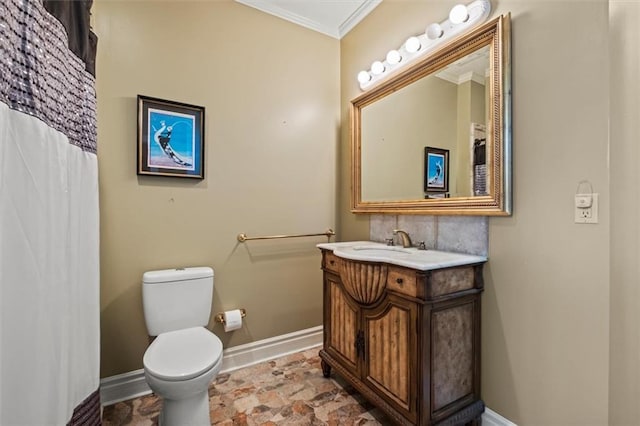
491, 418
132, 384
123, 386
264, 350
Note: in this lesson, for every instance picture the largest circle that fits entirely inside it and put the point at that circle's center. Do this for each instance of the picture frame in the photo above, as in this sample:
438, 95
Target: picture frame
436, 170
436, 195
170, 138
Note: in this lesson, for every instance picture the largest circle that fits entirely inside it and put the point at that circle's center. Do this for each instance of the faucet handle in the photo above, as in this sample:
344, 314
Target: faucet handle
389, 241
422, 245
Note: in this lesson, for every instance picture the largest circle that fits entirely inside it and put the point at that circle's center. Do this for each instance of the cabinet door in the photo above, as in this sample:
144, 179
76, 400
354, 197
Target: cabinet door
390, 358
455, 345
341, 323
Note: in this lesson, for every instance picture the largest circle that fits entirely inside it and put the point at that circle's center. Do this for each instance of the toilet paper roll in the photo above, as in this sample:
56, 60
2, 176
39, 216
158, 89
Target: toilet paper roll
232, 320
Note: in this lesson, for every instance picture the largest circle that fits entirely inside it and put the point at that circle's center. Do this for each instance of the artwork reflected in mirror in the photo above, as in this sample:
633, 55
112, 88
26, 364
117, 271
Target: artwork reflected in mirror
454, 100
436, 166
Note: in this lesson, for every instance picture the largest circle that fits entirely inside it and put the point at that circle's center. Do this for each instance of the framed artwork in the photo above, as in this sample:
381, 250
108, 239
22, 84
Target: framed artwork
436, 170
170, 138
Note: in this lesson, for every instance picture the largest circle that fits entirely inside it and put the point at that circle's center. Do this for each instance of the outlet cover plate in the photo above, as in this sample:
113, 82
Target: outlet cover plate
586, 214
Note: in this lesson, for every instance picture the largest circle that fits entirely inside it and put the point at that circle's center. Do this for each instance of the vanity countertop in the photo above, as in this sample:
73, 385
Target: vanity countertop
410, 257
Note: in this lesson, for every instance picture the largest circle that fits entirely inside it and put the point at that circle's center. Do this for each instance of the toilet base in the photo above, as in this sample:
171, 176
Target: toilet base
191, 411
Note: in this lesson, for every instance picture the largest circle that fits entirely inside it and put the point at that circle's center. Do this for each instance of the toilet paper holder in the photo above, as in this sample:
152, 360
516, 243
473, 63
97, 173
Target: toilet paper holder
219, 318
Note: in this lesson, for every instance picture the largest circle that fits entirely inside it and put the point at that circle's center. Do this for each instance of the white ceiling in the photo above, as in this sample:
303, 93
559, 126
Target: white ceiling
474, 66
334, 18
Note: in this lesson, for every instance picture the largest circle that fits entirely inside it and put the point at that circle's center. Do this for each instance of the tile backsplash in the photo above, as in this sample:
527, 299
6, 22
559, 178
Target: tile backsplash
460, 234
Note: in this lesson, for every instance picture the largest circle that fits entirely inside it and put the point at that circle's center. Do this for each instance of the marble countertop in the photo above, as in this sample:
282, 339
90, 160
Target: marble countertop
410, 257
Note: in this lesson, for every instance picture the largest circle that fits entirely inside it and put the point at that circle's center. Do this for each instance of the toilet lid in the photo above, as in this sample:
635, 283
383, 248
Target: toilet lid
182, 354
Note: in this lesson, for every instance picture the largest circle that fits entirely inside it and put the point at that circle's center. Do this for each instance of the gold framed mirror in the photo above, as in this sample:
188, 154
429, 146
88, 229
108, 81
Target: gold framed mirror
435, 138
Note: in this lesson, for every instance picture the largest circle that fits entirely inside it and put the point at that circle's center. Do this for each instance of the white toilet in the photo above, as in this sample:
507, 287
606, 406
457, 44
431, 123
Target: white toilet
185, 357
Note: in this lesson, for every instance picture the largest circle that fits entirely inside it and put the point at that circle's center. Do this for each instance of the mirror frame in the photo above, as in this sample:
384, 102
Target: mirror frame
496, 34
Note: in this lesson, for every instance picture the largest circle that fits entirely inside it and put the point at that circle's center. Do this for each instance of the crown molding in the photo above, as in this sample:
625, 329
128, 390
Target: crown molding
337, 32
363, 10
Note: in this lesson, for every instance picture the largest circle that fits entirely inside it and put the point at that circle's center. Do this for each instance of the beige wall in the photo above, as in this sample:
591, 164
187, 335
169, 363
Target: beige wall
624, 33
395, 131
546, 305
546, 308
271, 94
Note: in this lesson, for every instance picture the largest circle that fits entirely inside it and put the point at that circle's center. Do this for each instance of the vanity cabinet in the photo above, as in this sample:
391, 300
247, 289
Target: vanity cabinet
406, 339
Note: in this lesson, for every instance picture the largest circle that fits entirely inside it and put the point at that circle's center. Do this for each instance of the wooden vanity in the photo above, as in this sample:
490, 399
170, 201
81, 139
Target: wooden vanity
407, 339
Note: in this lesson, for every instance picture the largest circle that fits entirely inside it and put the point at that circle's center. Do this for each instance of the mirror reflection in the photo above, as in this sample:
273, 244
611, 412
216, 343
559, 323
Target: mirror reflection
447, 111
435, 138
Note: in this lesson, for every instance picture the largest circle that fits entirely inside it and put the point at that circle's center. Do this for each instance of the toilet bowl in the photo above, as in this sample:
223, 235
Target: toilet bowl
184, 358
179, 366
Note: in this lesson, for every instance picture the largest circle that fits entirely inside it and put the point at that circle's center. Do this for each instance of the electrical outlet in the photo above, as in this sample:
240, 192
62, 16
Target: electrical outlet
586, 208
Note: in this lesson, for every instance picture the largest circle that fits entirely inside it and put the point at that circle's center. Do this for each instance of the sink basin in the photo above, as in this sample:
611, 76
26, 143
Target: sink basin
409, 257
377, 251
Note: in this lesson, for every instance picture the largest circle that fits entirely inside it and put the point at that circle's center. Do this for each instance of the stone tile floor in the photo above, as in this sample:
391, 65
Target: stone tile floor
286, 391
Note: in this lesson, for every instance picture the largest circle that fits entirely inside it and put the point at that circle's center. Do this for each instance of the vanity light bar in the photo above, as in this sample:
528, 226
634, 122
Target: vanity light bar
460, 19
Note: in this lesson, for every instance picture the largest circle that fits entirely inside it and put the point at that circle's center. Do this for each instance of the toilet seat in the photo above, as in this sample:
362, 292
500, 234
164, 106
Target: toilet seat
182, 354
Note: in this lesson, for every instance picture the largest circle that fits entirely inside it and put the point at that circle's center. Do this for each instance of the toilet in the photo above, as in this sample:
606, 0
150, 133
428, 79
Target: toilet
185, 357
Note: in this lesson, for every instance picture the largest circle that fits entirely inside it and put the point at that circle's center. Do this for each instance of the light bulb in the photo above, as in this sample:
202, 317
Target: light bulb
434, 31
458, 14
393, 57
377, 68
363, 77
412, 44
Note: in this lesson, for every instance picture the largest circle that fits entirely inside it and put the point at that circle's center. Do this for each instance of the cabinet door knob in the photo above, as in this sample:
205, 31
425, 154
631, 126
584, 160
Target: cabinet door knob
399, 280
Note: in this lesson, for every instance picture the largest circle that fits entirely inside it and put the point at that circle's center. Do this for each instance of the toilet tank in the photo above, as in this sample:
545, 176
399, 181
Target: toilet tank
174, 299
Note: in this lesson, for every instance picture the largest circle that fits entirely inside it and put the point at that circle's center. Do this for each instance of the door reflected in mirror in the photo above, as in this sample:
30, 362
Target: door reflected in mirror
456, 100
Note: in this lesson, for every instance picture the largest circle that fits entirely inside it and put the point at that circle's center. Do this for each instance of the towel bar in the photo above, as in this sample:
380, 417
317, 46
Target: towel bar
328, 233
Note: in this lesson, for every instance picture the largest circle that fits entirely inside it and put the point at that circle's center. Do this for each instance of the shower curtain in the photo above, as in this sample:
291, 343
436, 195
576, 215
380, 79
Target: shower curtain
49, 223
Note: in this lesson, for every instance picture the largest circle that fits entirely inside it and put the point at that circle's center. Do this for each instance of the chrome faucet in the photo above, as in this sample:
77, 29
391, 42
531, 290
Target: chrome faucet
406, 240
